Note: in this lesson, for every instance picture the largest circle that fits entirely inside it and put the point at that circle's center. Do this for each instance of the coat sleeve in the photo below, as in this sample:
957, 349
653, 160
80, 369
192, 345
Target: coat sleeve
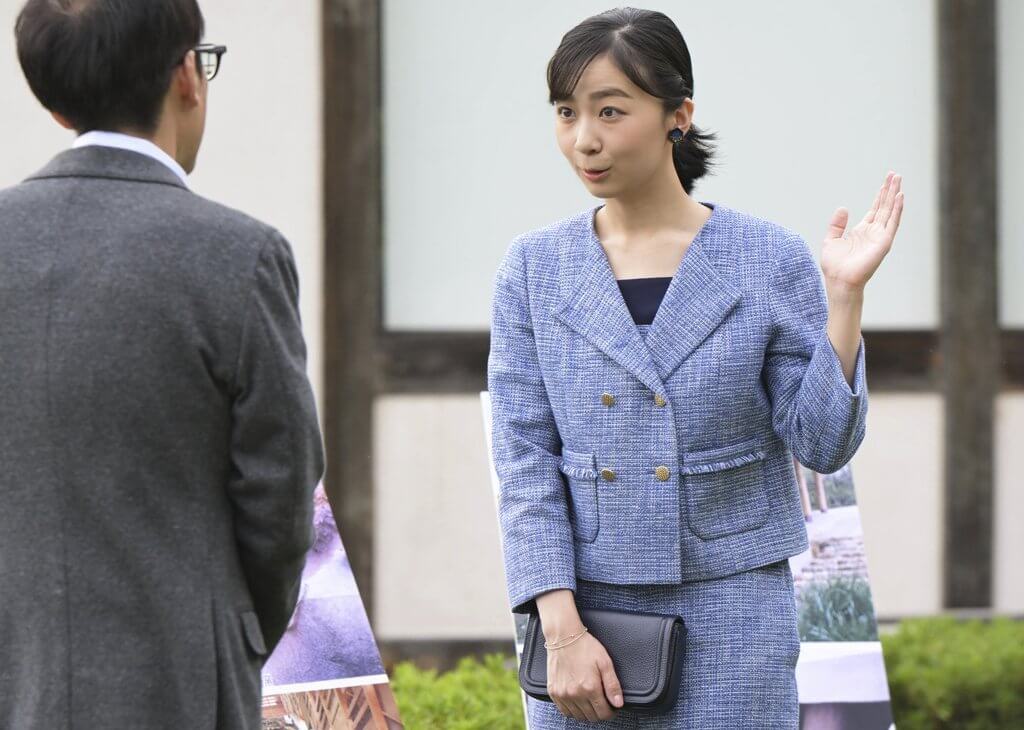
276, 449
814, 409
532, 506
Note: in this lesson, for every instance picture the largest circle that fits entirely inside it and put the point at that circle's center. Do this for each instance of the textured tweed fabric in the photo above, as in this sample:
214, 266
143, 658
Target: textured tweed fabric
742, 648
663, 456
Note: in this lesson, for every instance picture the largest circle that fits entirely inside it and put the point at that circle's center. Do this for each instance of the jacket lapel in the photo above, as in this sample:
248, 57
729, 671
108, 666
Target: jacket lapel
700, 295
698, 298
590, 303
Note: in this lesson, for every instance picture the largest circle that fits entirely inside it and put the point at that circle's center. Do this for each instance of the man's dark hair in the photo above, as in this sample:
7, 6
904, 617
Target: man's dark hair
105, 64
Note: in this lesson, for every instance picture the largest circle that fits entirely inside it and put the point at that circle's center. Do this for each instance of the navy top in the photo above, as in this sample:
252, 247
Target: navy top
643, 296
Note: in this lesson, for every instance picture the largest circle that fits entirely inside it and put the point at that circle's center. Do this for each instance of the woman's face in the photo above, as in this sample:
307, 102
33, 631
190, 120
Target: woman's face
611, 124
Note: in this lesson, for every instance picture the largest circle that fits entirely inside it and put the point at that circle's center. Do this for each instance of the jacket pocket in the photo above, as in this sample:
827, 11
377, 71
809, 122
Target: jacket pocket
581, 472
724, 489
253, 632
238, 687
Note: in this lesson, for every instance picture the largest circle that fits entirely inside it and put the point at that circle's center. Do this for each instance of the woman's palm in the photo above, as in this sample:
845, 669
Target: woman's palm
850, 258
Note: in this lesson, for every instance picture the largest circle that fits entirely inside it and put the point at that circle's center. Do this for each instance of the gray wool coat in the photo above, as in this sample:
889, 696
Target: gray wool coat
159, 446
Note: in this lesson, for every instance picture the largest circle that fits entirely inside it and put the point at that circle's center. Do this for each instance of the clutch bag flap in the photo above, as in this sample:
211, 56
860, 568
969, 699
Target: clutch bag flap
646, 650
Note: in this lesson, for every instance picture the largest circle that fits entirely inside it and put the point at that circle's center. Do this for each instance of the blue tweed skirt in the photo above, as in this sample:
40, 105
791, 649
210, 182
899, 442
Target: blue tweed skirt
742, 645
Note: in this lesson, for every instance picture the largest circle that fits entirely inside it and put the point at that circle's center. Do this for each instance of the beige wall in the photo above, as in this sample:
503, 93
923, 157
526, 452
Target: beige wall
437, 559
810, 115
262, 148
436, 521
440, 526
807, 121
808, 118
451, 125
897, 474
1010, 93
1008, 538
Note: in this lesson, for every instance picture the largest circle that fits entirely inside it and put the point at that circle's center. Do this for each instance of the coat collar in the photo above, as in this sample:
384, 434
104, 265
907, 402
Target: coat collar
701, 294
108, 162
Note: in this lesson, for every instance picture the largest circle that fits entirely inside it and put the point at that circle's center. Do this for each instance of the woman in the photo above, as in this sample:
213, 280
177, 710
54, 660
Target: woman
655, 364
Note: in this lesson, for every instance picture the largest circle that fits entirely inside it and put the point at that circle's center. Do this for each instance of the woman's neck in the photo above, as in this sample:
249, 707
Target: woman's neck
651, 211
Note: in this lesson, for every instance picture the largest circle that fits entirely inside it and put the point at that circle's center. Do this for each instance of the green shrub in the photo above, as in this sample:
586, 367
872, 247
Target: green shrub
476, 695
839, 609
945, 674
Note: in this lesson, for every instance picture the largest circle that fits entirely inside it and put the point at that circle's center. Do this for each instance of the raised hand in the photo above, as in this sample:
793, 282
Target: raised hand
850, 257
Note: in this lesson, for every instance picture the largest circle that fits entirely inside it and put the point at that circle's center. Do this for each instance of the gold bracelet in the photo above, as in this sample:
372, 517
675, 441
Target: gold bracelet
565, 640
549, 644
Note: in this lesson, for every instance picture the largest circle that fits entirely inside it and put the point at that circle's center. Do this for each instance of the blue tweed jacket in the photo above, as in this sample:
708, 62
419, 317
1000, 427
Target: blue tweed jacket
666, 458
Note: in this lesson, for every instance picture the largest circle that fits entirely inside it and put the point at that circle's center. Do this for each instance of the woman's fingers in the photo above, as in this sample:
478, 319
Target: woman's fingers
598, 703
570, 708
869, 217
586, 710
601, 708
837, 225
894, 221
581, 681
578, 707
588, 696
610, 680
888, 201
603, 684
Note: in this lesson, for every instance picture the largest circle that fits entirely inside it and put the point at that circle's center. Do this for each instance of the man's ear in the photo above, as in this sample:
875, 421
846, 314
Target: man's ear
186, 83
62, 120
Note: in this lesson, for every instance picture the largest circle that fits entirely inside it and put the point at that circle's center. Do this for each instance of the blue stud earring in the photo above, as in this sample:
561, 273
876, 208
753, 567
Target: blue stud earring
676, 135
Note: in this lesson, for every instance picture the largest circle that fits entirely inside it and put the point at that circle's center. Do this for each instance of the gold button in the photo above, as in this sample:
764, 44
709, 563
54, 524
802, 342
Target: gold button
658, 400
661, 472
607, 474
608, 399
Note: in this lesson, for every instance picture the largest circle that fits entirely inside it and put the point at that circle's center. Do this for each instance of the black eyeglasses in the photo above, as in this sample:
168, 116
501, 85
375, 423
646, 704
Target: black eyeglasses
208, 57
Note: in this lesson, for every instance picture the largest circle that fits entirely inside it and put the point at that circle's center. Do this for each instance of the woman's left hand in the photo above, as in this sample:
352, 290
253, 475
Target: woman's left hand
849, 259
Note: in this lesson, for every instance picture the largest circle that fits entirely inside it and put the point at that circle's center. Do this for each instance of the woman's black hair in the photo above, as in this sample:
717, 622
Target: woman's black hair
105, 64
649, 49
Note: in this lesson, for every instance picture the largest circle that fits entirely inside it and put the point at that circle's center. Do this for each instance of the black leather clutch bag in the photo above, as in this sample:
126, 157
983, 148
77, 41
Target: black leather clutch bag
646, 650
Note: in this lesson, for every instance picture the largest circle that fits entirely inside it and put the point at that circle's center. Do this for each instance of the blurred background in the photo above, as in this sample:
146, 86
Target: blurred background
400, 145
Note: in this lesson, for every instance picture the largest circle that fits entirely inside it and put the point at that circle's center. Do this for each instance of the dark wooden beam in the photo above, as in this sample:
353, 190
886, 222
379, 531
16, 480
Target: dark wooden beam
456, 362
902, 360
352, 268
433, 362
443, 654
968, 290
1012, 359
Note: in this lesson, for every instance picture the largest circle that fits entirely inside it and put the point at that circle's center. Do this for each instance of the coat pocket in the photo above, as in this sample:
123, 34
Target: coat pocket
724, 489
253, 632
581, 472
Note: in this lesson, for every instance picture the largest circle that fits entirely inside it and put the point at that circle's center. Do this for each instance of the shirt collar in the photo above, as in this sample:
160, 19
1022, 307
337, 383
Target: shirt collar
128, 142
